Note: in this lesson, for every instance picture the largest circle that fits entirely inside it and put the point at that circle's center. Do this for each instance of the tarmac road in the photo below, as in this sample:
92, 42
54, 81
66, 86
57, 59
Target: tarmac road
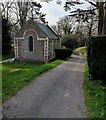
55, 94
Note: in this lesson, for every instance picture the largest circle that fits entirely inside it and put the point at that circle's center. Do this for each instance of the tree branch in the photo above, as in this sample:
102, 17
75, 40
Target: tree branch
91, 3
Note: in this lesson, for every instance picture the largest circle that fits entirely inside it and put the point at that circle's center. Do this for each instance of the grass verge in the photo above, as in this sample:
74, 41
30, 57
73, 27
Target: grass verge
80, 51
16, 75
94, 97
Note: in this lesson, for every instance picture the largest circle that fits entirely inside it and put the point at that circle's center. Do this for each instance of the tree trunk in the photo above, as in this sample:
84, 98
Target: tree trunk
100, 19
104, 20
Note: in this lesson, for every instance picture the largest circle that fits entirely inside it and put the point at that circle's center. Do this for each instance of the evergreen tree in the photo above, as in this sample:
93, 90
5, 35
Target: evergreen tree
6, 36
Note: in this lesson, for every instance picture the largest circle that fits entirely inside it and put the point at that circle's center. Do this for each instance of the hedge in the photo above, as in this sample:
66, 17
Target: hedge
63, 53
97, 57
69, 41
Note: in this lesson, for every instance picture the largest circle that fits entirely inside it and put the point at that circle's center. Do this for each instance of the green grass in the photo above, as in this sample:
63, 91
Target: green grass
80, 51
4, 57
94, 97
0, 87
17, 75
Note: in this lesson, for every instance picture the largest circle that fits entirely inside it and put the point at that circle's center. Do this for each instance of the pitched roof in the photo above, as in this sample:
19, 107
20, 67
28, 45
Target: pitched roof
47, 30
41, 29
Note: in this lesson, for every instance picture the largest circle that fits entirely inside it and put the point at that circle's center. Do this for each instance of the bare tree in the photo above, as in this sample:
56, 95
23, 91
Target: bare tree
5, 7
22, 11
17, 13
104, 20
91, 25
66, 24
55, 28
87, 17
101, 8
28, 10
100, 5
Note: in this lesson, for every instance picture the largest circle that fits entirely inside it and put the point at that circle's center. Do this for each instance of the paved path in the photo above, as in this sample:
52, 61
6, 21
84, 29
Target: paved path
8, 60
55, 94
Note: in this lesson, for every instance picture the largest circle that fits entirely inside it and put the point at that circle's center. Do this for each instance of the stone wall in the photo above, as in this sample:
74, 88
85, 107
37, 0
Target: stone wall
57, 44
52, 45
31, 25
43, 48
23, 48
50, 50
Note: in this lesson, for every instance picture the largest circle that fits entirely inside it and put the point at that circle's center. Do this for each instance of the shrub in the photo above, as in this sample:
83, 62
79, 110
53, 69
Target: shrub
63, 53
97, 57
69, 41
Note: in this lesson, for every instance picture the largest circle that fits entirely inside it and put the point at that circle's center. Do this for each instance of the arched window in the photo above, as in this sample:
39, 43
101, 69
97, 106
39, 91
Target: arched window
30, 43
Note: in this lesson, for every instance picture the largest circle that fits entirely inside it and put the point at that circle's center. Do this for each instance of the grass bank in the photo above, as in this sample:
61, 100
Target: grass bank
80, 51
16, 75
95, 97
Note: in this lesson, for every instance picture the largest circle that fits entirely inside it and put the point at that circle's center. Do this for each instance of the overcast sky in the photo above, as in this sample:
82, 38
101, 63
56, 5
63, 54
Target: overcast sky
54, 11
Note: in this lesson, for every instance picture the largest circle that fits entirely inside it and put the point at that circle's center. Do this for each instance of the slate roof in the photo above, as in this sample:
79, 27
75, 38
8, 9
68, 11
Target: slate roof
47, 30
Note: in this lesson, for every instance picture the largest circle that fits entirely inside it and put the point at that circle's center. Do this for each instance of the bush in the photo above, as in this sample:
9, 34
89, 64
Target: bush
69, 41
97, 57
63, 53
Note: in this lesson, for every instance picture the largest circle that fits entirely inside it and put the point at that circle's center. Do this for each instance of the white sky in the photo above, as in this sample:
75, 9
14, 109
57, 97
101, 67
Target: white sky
54, 11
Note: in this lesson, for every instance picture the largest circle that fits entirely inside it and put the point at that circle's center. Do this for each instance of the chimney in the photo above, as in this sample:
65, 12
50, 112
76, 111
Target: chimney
46, 23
